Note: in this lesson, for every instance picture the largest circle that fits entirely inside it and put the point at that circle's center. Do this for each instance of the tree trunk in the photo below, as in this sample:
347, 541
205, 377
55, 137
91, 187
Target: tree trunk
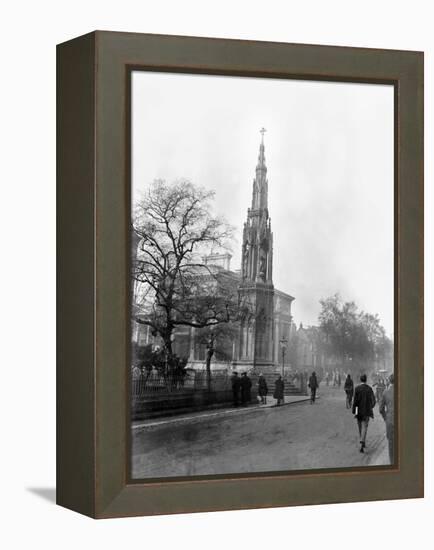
167, 338
209, 354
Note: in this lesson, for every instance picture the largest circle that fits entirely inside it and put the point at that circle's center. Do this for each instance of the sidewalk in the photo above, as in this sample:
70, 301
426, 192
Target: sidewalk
271, 403
381, 456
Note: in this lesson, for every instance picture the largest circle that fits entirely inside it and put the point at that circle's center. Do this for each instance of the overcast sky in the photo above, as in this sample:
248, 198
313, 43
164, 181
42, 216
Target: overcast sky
329, 154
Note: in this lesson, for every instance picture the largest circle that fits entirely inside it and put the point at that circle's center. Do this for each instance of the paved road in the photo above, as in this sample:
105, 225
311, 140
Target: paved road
292, 437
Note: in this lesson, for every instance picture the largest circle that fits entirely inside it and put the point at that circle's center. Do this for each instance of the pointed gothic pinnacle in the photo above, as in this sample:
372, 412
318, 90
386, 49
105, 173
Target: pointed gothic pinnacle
261, 157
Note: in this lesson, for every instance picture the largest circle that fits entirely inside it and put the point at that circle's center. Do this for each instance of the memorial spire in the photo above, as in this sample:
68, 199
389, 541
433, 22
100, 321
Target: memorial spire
260, 183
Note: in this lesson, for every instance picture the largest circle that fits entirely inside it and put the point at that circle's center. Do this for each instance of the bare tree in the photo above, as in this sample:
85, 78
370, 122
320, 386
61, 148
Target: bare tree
175, 227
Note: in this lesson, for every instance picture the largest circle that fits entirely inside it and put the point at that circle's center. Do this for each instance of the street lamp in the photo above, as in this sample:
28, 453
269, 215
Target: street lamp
283, 344
209, 353
168, 367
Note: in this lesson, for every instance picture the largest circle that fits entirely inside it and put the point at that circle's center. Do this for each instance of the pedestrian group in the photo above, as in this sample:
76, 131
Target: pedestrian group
241, 389
360, 400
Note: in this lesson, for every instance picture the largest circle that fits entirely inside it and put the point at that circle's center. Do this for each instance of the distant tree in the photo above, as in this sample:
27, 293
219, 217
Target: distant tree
385, 351
175, 227
338, 320
352, 335
374, 334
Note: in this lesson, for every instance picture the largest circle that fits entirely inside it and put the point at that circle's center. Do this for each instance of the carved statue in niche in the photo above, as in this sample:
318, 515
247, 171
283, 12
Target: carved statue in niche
246, 259
263, 266
263, 239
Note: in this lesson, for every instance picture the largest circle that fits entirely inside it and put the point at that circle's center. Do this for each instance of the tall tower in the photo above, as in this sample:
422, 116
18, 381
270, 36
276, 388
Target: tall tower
256, 290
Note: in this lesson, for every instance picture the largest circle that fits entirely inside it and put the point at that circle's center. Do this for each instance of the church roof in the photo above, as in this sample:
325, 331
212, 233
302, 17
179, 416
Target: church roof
283, 294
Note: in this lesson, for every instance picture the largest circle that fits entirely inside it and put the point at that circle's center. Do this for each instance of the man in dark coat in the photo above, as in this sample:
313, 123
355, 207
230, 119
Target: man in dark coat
349, 390
236, 384
363, 405
246, 385
279, 390
313, 385
262, 389
387, 411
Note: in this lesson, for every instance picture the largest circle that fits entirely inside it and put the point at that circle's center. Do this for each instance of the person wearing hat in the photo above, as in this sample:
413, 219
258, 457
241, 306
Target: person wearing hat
246, 385
262, 389
349, 390
364, 403
279, 390
313, 385
387, 411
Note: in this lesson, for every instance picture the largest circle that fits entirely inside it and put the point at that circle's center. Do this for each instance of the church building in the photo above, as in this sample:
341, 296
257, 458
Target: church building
266, 326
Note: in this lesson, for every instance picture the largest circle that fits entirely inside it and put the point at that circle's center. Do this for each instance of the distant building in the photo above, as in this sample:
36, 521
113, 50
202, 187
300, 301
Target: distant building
218, 260
309, 351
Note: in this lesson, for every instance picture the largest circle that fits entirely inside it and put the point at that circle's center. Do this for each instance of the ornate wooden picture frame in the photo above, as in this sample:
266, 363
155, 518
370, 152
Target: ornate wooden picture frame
94, 244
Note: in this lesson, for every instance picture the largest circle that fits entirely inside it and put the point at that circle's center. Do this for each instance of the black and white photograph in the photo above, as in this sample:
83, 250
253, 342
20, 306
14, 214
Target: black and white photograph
262, 275
221, 338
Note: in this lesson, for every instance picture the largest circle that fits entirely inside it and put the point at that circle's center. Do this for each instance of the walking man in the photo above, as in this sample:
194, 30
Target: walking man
279, 390
236, 384
387, 412
262, 389
349, 390
313, 385
364, 403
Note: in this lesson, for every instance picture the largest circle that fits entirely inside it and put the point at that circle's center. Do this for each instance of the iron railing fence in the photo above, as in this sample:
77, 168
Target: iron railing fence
155, 383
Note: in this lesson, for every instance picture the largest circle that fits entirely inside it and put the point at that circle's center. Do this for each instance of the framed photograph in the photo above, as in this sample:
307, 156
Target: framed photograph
240, 274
